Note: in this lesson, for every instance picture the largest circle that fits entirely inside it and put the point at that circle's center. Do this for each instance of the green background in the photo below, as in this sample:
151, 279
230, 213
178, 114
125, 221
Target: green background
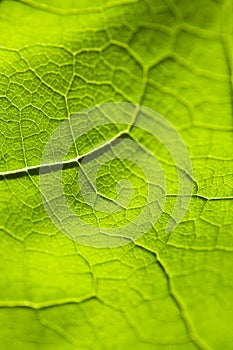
165, 291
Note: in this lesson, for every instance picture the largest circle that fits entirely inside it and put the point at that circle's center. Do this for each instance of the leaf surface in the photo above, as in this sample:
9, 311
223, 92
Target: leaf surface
163, 291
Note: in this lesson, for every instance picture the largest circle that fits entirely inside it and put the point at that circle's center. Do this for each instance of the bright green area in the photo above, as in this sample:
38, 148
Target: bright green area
165, 291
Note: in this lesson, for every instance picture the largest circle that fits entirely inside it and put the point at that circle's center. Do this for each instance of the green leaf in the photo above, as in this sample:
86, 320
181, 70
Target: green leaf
164, 290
